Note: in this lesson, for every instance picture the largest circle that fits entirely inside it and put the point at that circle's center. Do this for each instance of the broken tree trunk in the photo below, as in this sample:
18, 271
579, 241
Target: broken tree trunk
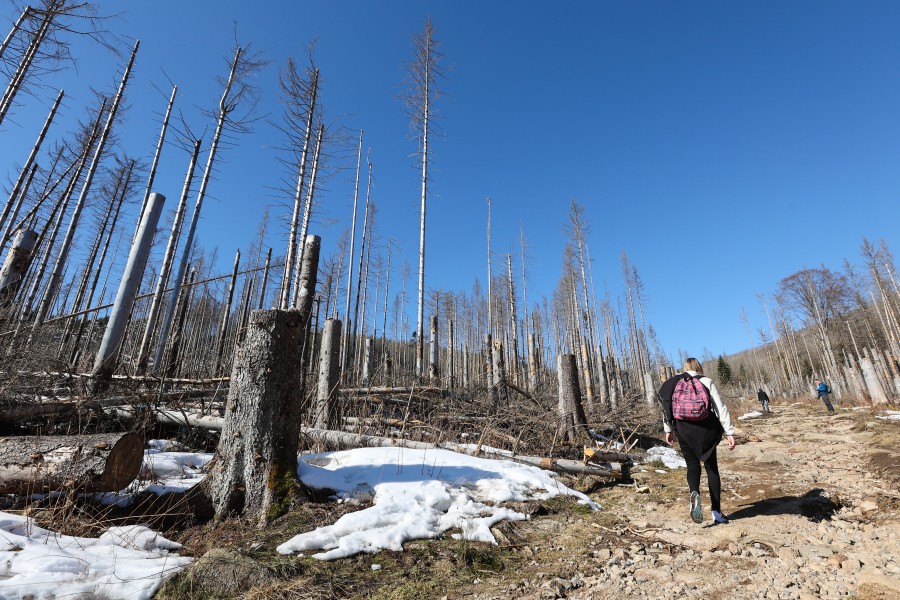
873, 383
571, 413
326, 413
105, 462
256, 460
433, 352
16, 265
499, 372
108, 354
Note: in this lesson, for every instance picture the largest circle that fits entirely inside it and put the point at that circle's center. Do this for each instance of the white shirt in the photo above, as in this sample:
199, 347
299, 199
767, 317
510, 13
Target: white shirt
719, 407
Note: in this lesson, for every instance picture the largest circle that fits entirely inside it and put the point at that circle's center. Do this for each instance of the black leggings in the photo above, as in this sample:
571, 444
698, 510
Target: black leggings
712, 475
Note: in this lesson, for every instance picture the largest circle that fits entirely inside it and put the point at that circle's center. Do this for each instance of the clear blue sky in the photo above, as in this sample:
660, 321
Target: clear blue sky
734, 142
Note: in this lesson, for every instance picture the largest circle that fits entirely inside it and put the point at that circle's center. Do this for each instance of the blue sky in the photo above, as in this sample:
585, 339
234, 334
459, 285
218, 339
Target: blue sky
734, 143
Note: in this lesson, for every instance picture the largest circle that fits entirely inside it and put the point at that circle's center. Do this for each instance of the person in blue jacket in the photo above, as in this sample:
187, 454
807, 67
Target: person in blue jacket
823, 391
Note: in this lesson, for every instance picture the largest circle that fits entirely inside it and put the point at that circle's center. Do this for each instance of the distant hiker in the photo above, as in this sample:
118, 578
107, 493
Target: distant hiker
823, 391
763, 399
695, 414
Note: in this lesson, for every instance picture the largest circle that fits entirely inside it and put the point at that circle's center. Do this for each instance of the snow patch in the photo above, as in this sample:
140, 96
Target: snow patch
753, 414
124, 562
890, 415
668, 456
417, 494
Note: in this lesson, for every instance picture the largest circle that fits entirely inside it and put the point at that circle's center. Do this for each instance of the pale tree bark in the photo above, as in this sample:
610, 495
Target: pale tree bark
226, 315
235, 90
297, 90
168, 260
307, 212
158, 153
108, 353
326, 414
62, 258
423, 72
346, 332
29, 161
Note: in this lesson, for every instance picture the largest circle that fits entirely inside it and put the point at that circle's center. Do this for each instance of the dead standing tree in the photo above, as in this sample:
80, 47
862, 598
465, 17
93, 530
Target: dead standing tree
36, 45
238, 93
423, 73
62, 259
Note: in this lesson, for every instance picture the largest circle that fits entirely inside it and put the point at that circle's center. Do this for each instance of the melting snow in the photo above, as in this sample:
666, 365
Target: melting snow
753, 414
125, 562
417, 494
668, 456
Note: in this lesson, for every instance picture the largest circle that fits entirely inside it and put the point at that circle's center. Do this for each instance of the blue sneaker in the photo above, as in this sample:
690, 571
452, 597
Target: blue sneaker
696, 512
718, 517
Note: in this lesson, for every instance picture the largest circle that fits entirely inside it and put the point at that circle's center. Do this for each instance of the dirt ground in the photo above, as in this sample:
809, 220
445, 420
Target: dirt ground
814, 506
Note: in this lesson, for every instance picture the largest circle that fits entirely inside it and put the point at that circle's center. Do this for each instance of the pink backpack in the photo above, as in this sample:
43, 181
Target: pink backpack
690, 400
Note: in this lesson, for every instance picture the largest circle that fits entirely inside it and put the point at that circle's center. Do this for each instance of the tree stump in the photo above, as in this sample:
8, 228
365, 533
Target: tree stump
326, 413
255, 469
571, 412
105, 462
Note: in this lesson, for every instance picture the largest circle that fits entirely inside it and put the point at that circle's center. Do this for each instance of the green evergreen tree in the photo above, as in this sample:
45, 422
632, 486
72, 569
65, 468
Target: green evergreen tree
724, 371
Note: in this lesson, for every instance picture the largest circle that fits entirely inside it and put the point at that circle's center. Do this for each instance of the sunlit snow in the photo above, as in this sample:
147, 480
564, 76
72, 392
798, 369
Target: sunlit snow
417, 494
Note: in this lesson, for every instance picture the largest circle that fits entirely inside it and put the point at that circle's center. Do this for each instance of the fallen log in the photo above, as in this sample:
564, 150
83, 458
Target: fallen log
105, 462
30, 410
561, 465
389, 390
355, 440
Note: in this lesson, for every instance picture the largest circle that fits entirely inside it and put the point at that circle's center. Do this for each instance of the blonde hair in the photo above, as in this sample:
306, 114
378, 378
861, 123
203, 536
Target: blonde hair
692, 364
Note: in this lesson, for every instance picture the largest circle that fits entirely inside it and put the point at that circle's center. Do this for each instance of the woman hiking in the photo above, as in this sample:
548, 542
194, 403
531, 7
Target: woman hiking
694, 413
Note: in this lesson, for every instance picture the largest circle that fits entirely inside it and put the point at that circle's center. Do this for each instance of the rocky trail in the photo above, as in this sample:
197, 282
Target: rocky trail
813, 501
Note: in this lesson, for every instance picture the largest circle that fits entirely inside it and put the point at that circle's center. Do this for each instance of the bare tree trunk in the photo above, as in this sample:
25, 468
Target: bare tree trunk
108, 353
346, 333
17, 206
571, 413
16, 264
255, 470
182, 303
307, 212
159, 146
433, 352
326, 415
499, 372
97, 271
366, 361
451, 366
359, 277
168, 260
28, 163
226, 315
265, 281
18, 78
298, 196
62, 258
17, 26
588, 383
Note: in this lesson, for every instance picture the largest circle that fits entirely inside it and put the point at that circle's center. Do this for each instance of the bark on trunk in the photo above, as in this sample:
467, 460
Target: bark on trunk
499, 372
256, 461
873, 383
105, 462
326, 413
571, 413
16, 265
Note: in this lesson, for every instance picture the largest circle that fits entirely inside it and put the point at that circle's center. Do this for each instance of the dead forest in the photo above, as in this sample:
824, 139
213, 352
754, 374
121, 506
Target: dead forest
116, 328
